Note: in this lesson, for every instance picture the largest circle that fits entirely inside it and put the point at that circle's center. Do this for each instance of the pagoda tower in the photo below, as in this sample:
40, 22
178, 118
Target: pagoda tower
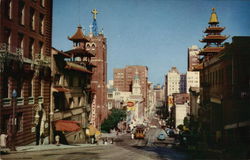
213, 38
79, 54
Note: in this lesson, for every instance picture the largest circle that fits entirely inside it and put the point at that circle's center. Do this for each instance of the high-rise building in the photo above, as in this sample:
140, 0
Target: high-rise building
25, 49
193, 79
99, 77
172, 81
123, 79
183, 83
193, 57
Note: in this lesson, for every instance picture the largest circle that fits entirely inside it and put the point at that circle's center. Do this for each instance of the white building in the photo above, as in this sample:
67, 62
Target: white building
181, 111
193, 79
173, 81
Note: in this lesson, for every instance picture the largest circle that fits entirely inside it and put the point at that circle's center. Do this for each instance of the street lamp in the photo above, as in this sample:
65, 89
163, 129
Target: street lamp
14, 95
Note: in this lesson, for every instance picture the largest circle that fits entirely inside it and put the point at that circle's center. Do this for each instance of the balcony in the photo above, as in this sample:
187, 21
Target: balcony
20, 101
6, 102
31, 100
40, 99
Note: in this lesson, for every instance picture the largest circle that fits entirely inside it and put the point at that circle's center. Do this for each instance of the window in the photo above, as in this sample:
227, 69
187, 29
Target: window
20, 41
43, 3
32, 19
19, 125
41, 24
31, 48
9, 10
5, 87
21, 12
40, 50
19, 87
30, 82
7, 33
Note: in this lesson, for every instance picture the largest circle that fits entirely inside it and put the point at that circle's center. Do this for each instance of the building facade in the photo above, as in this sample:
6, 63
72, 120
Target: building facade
172, 81
224, 91
123, 80
71, 96
193, 57
99, 78
193, 80
25, 49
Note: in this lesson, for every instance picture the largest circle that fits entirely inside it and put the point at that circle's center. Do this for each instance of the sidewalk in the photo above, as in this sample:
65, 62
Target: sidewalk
45, 147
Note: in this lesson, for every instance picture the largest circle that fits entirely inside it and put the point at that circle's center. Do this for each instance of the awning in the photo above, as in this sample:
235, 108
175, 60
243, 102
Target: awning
77, 67
66, 125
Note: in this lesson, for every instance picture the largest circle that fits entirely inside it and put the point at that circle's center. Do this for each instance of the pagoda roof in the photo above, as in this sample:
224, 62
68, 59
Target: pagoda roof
214, 38
78, 36
80, 52
76, 67
211, 50
214, 29
198, 67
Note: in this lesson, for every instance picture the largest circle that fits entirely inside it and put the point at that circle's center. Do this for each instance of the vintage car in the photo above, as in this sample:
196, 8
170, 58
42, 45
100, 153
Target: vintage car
161, 137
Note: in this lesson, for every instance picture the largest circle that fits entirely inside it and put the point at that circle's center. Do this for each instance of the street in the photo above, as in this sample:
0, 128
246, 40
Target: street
124, 148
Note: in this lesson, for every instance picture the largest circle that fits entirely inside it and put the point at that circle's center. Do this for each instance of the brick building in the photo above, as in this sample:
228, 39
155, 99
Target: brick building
224, 92
123, 78
71, 90
25, 43
99, 77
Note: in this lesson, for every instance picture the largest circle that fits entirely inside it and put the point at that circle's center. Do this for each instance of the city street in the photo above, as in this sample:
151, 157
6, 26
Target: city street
124, 148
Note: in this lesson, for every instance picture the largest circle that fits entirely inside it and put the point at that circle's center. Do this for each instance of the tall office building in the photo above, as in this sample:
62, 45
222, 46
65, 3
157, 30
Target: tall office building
193, 57
123, 79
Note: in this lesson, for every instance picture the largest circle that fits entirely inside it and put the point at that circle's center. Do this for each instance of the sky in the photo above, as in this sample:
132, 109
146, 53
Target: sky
152, 33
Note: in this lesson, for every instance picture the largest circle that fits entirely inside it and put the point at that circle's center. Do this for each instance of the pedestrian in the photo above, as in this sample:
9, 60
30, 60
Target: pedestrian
3, 140
132, 136
57, 138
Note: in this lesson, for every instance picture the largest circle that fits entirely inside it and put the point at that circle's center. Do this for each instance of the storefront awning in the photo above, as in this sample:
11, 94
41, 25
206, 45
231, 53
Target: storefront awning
66, 125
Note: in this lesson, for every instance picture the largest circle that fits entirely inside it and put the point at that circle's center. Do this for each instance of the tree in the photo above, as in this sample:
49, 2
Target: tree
113, 119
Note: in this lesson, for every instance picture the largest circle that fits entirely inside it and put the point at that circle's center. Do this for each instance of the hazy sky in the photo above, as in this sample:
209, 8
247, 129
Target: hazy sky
153, 33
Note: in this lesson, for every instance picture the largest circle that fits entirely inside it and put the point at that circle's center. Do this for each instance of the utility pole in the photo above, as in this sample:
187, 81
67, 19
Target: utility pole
14, 95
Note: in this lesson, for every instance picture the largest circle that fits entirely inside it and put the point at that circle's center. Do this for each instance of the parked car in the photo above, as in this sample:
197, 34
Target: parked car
170, 132
161, 137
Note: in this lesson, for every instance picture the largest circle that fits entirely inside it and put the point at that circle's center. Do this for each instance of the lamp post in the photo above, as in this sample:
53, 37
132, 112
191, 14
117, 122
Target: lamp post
13, 147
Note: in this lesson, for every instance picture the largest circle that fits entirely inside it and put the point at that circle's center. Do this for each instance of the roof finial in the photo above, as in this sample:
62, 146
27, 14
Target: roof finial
213, 18
94, 12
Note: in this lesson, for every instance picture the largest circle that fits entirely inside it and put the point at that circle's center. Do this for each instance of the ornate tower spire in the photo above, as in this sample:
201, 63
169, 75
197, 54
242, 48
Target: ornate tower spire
136, 88
213, 18
94, 24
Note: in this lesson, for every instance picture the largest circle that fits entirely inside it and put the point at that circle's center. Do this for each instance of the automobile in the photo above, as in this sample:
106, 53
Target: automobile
170, 132
153, 126
161, 137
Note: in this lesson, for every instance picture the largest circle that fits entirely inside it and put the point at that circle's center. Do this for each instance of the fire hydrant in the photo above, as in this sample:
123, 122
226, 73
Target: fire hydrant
57, 138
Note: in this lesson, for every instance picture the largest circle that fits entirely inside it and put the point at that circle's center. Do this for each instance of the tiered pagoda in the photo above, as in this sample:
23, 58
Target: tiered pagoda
213, 38
79, 54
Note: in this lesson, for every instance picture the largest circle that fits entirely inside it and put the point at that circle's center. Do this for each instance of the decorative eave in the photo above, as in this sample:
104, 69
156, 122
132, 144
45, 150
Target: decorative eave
206, 50
76, 67
214, 38
214, 29
78, 36
198, 67
80, 52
